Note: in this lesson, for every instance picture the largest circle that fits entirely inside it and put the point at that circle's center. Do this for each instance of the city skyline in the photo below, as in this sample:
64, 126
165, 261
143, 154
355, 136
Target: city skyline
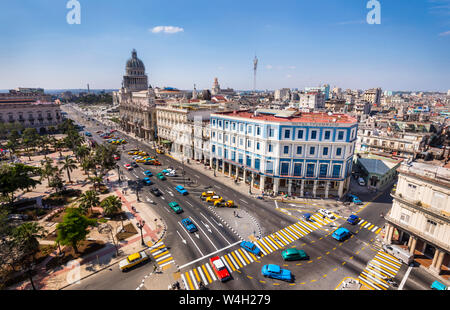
194, 42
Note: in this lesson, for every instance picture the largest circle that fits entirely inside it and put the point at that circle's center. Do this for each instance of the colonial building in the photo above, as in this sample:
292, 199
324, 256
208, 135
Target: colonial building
303, 154
420, 212
136, 100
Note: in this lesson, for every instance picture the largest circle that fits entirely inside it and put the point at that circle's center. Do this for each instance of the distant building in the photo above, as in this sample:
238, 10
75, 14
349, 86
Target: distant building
420, 213
312, 100
215, 90
325, 89
282, 94
373, 96
448, 92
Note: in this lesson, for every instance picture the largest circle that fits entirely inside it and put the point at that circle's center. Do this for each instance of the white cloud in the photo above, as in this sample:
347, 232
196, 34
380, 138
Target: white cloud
167, 29
269, 67
288, 76
444, 34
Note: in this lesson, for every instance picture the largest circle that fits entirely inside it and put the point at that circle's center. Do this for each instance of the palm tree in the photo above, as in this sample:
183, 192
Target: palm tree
88, 200
45, 141
97, 180
111, 205
88, 164
47, 169
26, 236
81, 152
69, 165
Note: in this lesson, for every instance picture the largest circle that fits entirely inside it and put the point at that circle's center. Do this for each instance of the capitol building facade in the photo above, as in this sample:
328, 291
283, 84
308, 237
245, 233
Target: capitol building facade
136, 101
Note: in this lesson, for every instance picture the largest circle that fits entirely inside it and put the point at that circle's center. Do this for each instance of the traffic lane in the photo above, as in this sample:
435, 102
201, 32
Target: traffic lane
418, 279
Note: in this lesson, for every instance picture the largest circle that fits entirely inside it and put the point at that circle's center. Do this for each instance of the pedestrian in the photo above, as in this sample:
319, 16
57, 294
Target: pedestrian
154, 268
323, 217
177, 284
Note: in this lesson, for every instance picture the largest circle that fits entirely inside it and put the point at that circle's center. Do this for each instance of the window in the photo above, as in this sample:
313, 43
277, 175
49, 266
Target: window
286, 149
225, 153
271, 132
325, 151
438, 200
284, 168
340, 135
234, 140
213, 149
430, 227
313, 134
226, 125
248, 161
214, 134
404, 217
249, 129
257, 146
336, 171
233, 155
270, 147
257, 163
338, 151
310, 170
327, 135
258, 130
411, 193
241, 142
269, 166
297, 169
241, 127
249, 143
323, 170
300, 134
312, 150
299, 150
241, 158
214, 122
220, 124
234, 126
226, 137
287, 134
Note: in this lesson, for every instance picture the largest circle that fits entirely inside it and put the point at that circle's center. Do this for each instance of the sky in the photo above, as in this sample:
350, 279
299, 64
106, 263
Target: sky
298, 43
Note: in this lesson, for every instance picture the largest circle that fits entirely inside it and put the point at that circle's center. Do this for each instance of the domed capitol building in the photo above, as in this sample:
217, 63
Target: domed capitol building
136, 100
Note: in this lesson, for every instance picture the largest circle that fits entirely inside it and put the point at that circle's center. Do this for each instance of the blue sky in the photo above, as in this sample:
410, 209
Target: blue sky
298, 42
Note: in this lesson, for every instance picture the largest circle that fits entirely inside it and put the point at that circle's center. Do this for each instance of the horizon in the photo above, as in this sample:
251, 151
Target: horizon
297, 44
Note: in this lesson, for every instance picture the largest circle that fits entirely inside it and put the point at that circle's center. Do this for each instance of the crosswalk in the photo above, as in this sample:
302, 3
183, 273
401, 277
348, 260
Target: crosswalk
240, 258
369, 226
381, 267
161, 254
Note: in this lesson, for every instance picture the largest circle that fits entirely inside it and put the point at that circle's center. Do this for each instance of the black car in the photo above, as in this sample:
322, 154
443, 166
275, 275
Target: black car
155, 191
134, 164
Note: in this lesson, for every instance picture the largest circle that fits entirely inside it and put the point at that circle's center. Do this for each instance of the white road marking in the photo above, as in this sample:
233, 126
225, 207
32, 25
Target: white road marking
198, 226
215, 227
190, 238
210, 254
243, 201
400, 287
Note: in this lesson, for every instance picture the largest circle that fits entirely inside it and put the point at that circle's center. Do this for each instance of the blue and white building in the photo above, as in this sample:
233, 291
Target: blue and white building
302, 154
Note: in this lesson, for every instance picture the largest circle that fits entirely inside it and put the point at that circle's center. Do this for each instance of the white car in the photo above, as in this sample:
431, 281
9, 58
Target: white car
326, 213
128, 167
361, 182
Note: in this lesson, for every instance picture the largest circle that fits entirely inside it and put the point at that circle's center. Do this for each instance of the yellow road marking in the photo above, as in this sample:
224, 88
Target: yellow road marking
268, 243
229, 262
191, 286
378, 231
249, 277
161, 254
243, 255
289, 234
273, 240
370, 227
206, 273
262, 246
196, 275
165, 260
237, 260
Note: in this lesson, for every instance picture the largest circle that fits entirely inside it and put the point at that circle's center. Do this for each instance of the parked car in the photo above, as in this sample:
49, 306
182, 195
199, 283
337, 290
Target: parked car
361, 181
400, 253
436, 285
181, 190
88, 134
207, 194
276, 272
353, 219
294, 254
133, 260
220, 269
222, 204
213, 199
249, 246
187, 223
327, 213
341, 233
175, 207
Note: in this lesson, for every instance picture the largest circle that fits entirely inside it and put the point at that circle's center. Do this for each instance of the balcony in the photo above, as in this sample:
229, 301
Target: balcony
422, 207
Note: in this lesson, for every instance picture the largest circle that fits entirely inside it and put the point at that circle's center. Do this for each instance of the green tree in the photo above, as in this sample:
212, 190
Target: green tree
81, 152
111, 205
104, 156
30, 139
48, 170
73, 228
69, 165
88, 200
26, 235
56, 182
13, 142
15, 177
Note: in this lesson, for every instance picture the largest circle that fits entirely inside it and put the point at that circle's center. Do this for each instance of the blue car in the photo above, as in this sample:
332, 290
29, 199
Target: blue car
353, 219
436, 285
341, 233
148, 173
181, 190
248, 246
187, 223
355, 199
147, 181
307, 216
275, 272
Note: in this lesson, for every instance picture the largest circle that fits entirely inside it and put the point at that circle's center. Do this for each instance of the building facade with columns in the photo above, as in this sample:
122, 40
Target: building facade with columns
420, 213
301, 154
136, 100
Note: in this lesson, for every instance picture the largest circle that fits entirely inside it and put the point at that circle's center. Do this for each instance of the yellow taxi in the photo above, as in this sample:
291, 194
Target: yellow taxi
159, 151
207, 194
133, 260
221, 204
143, 153
213, 199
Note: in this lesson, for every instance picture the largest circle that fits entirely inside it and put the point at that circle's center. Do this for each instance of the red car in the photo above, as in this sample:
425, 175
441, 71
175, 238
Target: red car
117, 158
219, 268
128, 167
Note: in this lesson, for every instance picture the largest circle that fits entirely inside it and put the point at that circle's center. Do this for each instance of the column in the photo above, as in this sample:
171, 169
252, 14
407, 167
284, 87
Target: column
327, 188
237, 171
245, 175
315, 189
223, 166
276, 185
413, 245
252, 184
440, 259
341, 189
302, 188
389, 233
289, 187
211, 162
435, 258
262, 181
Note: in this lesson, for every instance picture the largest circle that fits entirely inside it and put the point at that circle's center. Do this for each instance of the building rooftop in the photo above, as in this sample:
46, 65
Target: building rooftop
378, 166
434, 171
291, 116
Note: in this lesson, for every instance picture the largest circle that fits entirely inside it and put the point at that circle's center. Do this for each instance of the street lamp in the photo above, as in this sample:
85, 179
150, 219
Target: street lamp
140, 225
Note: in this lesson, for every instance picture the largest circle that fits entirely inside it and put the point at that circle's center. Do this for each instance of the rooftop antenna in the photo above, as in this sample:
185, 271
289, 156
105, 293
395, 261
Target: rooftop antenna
255, 67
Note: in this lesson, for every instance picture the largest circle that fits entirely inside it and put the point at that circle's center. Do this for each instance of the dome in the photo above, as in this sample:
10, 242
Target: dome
134, 62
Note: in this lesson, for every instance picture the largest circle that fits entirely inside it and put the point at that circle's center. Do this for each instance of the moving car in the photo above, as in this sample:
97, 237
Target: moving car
355, 199
294, 254
175, 207
307, 216
116, 157
353, 219
160, 151
133, 260
327, 213
181, 190
147, 181
169, 172
88, 134
436, 285
161, 176
155, 191
400, 253
134, 164
148, 173
213, 199
207, 194
341, 233
187, 223
219, 268
250, 247
228, 204
128, 167
276, 272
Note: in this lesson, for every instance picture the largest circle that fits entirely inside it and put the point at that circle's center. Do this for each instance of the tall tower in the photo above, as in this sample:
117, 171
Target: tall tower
255, 67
